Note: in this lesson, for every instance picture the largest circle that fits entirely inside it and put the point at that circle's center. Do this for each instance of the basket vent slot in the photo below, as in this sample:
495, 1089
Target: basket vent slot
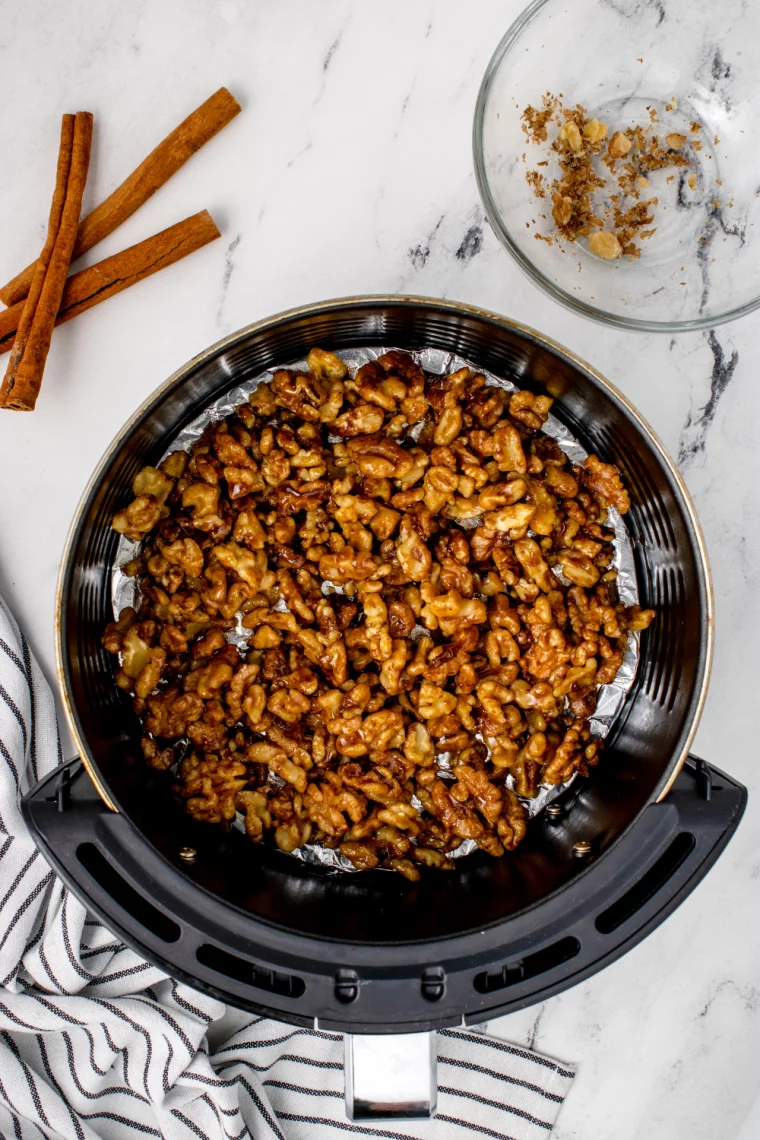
142, 911
528, 967
242, 970
647, 886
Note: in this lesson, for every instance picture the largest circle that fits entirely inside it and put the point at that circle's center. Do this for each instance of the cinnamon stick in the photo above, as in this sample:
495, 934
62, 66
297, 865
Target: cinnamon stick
23, 377
206, 121
90, 286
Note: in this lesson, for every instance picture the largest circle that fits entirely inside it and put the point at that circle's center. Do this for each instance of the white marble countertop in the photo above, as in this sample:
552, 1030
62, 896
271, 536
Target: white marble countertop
350, 171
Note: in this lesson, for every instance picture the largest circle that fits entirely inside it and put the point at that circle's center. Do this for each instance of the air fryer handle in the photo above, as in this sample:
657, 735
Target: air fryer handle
391, 1076
617, 901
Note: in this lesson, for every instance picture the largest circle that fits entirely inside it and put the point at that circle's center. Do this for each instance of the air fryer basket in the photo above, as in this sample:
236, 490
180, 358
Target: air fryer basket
372, 952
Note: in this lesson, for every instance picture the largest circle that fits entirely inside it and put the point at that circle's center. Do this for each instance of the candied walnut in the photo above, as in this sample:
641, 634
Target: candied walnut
210, 786
174, 465
512, 826
113, 638
530, 410
384, 523
405, 868
248, 531
579, 569
152, 481
328, 803
440, 483
486, 405
619, 145
299, 392
605, 244
303, 497
150, 674
136, 520
360, 854
229, 452
288, 704
413, 555
283, 767
257, 814
513, 520
136, 648
418, 747
434, 701
566, 759
347, 566
241, 561
379, 457
326, 365
508, 450
636, 618
502, 494
459, 818
595, 131
561, 482
159, 758
453, 613
604, 480
362, 419
429, 857
290, 836
187, 554
203, 501
571, 135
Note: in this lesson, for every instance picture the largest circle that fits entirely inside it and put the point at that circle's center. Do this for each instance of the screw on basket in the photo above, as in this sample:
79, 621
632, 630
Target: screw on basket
581, 848
555, 810
187, 854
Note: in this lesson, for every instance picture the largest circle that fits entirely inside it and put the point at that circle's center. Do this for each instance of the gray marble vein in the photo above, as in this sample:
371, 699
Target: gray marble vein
471, 244
694, 435
229, 266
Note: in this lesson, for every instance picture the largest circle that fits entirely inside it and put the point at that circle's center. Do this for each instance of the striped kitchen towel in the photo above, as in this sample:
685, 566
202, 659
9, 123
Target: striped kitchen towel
96, 1042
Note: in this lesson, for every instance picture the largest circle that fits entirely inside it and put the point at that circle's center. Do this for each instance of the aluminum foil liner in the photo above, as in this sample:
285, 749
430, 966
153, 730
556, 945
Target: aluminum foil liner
124, 591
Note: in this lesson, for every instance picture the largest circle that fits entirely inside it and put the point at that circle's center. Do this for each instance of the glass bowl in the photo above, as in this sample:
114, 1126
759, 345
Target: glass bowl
691, 65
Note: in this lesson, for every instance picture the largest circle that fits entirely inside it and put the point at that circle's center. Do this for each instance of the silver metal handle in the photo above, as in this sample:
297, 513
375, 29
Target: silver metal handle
391, 1076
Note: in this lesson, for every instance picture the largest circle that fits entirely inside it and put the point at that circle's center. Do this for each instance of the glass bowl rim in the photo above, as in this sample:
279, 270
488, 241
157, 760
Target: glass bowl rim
500, 229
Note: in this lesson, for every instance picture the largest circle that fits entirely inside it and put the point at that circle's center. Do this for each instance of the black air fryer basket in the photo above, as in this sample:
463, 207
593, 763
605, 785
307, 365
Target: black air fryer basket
371, 952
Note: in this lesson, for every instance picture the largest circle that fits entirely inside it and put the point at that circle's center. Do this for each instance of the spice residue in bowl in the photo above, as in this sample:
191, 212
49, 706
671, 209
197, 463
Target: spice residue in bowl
587, 163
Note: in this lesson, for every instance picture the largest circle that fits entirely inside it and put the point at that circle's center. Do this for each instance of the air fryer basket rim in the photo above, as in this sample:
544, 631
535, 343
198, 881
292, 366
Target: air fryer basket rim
454, 308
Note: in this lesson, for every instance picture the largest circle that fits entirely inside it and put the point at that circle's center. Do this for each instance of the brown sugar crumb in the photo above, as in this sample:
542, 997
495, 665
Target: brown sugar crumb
578, 144
692, 181
695, 127
536, 181
535, 121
